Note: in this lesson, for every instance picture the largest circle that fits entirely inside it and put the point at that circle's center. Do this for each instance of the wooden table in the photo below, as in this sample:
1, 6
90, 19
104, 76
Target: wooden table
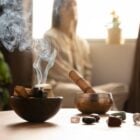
60, 127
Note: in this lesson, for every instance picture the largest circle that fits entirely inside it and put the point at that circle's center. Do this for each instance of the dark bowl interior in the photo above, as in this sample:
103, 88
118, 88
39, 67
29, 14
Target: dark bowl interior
89, 103
35, 109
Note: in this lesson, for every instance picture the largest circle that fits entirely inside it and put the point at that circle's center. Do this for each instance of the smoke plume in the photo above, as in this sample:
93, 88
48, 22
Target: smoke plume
13, 25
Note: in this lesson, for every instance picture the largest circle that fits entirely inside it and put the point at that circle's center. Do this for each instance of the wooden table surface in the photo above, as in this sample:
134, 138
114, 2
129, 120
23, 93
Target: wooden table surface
60, 127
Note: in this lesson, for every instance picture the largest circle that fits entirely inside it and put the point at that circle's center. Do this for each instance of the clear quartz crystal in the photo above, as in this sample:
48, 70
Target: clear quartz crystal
75, 119
136, 118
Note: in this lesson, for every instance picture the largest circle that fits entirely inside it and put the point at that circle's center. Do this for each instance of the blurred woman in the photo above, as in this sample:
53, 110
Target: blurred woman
72, 51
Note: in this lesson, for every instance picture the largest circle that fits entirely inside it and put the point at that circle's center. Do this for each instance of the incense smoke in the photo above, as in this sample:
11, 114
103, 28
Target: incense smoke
15, 33
13, 30
46, 54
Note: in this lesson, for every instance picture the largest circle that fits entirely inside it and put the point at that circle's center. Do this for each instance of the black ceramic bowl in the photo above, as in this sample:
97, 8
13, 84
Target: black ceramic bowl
34, 109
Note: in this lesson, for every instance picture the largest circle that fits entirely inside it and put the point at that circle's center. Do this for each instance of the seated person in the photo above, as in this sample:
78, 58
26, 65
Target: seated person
72, 51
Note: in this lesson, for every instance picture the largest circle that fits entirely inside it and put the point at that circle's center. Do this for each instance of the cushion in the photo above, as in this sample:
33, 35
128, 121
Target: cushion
119, 92
69, 90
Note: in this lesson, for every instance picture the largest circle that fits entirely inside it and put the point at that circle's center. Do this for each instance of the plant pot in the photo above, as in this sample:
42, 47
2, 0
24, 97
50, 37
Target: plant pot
114, 35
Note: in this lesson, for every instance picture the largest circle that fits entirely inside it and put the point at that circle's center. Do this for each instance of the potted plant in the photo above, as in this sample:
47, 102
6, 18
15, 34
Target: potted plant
5, 80
115, 20
114, 32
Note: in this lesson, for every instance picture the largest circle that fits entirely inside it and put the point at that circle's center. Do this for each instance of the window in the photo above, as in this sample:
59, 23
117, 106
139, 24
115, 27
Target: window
42, 13
93, 16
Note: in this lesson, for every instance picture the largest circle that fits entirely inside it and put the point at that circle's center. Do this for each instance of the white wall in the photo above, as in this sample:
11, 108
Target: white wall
112, 63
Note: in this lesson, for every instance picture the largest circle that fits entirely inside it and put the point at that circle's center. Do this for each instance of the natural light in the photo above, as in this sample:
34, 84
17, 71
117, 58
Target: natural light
93, 17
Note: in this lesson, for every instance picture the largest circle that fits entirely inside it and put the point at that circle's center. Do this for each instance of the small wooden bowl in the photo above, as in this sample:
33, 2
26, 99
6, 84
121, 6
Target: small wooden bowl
89, 103
34, 109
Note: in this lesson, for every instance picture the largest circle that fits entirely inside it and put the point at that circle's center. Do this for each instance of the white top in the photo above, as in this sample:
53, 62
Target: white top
60, 127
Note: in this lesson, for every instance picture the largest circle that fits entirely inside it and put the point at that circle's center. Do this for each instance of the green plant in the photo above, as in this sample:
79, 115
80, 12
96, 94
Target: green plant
5, 80
115, 19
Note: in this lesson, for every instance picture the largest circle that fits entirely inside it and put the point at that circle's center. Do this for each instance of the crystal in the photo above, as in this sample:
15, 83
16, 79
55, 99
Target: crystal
136, 118
75, 119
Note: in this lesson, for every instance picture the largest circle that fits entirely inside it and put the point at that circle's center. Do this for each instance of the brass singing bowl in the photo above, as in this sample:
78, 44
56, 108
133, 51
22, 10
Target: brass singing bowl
89, 103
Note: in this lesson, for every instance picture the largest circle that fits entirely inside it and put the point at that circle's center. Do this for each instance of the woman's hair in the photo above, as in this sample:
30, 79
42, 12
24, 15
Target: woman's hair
56, 13
56, 19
